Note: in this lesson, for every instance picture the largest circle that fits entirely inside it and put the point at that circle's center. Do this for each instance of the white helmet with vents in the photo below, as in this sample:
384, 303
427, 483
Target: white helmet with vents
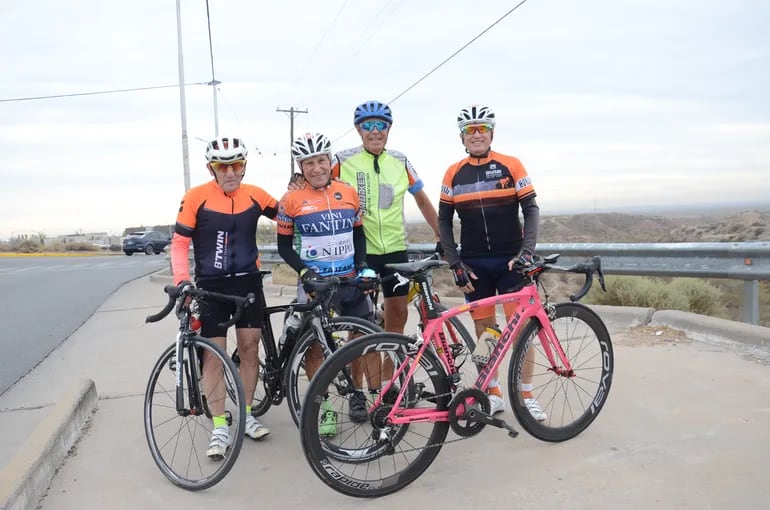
476, 114
309, 145
226, 149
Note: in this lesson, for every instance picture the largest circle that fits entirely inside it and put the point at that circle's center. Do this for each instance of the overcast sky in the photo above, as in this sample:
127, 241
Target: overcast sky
609, 104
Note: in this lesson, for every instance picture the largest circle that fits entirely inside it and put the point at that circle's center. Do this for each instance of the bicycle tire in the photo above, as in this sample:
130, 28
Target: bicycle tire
570, 403
351, 478
161, 417
295, 389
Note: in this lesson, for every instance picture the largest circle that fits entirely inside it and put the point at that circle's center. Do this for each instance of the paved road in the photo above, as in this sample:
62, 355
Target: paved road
685, 426
44, 299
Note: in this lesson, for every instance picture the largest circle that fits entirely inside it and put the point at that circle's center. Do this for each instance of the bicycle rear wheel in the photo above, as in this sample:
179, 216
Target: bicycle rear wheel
178, 438
570, 402
342, 330
373, 458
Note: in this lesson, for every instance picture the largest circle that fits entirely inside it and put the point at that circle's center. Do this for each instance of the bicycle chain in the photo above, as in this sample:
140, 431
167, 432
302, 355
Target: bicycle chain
442, 443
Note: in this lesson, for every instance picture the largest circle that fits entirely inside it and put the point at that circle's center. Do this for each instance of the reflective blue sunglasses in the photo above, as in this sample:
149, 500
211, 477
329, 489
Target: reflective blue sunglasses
371, 125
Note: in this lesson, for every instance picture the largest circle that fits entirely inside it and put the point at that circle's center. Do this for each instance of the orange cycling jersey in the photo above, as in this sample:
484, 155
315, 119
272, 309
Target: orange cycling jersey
486, 193
321, 225
223, 229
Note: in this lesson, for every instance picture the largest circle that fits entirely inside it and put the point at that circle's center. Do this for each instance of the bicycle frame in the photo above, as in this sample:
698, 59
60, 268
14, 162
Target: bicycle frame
529, 307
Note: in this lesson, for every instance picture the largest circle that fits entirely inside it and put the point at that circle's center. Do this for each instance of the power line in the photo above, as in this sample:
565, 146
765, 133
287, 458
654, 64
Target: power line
453, 55
115, 91
450, 57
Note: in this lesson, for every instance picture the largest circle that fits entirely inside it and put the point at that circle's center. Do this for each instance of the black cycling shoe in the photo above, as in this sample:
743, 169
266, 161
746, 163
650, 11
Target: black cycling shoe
358, 407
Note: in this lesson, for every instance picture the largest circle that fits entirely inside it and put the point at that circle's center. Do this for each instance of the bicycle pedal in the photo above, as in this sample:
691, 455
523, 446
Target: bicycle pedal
482, 417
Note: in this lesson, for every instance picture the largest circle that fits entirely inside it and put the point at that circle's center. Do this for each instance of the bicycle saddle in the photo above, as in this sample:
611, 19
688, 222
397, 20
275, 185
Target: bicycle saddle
409, 269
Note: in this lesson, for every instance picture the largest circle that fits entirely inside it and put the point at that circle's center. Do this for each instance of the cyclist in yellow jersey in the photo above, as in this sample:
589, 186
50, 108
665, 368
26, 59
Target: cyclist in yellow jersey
382, 178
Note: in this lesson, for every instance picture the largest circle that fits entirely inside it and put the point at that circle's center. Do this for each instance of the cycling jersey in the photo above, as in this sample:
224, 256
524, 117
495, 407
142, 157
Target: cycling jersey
486, 193
223, 229
381, 182
321, 224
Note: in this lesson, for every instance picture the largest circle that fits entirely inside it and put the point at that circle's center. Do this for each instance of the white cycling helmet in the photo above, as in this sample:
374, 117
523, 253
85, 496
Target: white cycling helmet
226, 149
309, 145
476, 114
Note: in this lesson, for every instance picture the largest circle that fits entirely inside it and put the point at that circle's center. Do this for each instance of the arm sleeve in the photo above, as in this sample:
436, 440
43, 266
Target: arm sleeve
180, 264
359, 245
446, 212
287, 253
531, 212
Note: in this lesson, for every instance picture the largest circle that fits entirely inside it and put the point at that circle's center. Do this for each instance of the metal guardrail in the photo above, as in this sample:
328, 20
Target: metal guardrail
748, 261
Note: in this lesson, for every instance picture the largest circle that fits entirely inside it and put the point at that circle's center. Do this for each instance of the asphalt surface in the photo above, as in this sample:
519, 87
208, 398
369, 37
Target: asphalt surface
685, 426
44, 299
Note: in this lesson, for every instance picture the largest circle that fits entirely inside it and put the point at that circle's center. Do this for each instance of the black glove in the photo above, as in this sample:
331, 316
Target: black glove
439, 248
461, 274
525, 258
308, 274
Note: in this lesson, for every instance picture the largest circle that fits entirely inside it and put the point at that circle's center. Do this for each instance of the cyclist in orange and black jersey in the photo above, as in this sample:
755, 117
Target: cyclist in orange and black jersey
486, 190
220, 218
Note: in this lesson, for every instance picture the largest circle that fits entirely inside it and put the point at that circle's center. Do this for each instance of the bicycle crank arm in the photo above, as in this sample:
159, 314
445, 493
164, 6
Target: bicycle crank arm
482, 417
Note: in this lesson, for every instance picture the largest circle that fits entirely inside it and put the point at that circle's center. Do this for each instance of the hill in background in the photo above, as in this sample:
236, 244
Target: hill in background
637, 228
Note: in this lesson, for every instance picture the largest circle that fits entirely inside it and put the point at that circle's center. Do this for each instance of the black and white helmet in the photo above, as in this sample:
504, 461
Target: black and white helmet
309, 145
476, 114
226, 149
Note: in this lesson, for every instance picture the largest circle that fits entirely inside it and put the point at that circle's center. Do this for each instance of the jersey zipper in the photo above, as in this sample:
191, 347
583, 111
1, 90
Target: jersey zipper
379, 214
483, 214
331, 218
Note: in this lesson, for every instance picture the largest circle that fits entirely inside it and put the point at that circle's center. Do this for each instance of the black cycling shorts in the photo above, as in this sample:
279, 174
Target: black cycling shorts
213, 312
377, 262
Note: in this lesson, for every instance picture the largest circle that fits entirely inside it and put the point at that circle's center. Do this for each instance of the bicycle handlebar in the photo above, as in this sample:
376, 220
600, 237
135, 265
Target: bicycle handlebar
586, 268
323, 286
184, 290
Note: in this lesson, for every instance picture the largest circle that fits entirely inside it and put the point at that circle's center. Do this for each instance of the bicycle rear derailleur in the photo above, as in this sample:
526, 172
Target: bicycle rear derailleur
469, 414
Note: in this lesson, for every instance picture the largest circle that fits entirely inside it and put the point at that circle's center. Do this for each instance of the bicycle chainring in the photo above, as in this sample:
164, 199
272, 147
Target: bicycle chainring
464, 407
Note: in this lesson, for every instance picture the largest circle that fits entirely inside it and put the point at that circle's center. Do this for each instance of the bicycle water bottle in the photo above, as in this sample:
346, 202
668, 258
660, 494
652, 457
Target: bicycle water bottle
290, 328
485, 345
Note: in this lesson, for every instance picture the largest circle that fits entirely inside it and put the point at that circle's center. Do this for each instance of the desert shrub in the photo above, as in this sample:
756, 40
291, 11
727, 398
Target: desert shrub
685, 294
702, 297
29, 246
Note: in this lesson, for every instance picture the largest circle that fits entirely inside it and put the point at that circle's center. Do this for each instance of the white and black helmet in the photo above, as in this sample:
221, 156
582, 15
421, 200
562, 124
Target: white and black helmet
476, 114
309, 145
226, 149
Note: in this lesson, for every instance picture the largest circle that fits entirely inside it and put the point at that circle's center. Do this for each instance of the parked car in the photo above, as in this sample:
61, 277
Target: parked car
148, 242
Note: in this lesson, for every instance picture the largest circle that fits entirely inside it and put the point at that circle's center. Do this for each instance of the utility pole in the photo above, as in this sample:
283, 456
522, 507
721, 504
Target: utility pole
213, 81
185, 148
292, 113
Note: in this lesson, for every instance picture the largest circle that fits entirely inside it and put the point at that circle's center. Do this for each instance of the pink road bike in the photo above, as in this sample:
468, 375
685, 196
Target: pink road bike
563, 350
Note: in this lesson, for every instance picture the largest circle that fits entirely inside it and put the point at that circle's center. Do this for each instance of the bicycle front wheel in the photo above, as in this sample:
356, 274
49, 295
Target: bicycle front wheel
341, 330
567, 403
177, 420
373, 457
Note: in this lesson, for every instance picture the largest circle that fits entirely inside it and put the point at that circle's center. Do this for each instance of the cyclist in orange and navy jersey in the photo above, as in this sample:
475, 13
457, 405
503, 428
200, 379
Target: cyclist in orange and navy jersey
486, 190
320, 233
220, 218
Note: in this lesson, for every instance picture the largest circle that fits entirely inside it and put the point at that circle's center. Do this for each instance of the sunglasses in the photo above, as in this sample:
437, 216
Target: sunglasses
476, 128
219, 166
371, 125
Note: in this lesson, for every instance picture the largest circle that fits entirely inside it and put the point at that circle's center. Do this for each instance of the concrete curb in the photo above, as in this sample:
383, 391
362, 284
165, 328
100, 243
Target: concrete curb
713, 329
26, 477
